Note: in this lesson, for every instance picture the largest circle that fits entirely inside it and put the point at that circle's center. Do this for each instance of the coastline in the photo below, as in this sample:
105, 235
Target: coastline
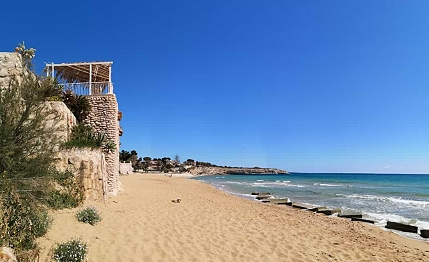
142, 224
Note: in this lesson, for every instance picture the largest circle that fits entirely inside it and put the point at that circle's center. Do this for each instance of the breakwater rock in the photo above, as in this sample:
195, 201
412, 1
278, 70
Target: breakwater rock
235, 171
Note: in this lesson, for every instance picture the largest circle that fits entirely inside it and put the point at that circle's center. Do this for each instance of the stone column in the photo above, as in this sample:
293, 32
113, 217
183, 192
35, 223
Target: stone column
104, 119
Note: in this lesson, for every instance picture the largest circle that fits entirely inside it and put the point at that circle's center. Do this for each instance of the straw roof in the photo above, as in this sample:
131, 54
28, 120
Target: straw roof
80, 72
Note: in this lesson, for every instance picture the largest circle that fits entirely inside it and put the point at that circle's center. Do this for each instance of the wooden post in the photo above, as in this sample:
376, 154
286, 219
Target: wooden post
90, 79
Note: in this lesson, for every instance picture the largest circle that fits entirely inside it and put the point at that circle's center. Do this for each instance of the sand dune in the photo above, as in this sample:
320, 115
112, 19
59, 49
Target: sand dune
142, 224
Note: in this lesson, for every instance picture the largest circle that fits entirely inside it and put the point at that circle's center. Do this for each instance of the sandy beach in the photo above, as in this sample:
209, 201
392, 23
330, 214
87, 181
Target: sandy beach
142, 224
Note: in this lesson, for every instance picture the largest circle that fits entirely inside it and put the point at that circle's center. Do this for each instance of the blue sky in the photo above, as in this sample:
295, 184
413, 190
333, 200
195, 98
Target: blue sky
308, 86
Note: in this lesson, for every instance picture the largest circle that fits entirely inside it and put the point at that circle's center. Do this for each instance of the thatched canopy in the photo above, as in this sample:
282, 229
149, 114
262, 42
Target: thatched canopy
81, 72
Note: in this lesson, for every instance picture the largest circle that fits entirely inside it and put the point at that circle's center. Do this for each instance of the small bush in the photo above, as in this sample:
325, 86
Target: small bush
89, 215
21, 222
72, 251
69, 195
83, 136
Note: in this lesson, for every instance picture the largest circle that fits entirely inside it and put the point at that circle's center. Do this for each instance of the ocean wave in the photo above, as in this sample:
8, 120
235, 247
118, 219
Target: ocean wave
417, 203
328, 185
260, 180
383, 218
276, 184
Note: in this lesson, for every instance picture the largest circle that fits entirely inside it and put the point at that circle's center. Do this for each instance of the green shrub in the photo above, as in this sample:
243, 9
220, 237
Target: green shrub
83, 136
69, 194
60, 200
21, 222
89, 215
72, 251
79, 105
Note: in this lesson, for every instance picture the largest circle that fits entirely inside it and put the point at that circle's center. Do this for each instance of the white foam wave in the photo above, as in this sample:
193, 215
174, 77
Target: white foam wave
260, 180
276, 184
416, 203
328, 185
383, 218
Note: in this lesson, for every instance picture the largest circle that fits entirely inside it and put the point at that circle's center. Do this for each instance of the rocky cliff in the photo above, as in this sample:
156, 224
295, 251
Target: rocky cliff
10, 66
235, 170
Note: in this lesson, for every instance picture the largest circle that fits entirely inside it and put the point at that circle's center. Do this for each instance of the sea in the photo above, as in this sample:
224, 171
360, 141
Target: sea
400, 198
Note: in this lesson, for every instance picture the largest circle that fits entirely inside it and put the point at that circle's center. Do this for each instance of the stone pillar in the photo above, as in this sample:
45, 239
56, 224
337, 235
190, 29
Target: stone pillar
104, 119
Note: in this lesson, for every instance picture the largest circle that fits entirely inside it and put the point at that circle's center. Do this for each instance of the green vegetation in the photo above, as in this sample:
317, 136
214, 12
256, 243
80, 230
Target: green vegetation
164, 164
89, 215
79, 105
66, 192
72, 251
27, 147
29, 184
83, 136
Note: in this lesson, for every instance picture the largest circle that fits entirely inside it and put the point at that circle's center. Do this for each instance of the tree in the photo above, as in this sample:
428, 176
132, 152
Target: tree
177, 159
124, 156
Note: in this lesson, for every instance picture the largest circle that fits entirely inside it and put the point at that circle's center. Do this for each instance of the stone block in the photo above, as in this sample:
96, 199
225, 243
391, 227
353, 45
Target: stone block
401, 227
315, 209
350, 215
329, 212
363, 220
424, 233
301, 205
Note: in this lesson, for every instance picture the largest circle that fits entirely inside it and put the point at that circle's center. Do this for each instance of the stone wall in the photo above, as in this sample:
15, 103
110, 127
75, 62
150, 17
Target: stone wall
104, 119
126, 168
10, 65
89, 167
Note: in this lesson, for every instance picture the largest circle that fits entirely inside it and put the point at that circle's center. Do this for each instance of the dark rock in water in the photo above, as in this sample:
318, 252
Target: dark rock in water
259, 194
362, 220
356, 215
424, 233
259, 197
401, 227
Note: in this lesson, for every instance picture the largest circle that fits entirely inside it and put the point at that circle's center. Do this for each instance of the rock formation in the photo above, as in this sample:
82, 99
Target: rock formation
10, 66
235, 170
89, 167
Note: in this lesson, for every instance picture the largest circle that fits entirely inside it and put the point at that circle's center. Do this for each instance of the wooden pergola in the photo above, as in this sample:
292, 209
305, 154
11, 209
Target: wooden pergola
84, 78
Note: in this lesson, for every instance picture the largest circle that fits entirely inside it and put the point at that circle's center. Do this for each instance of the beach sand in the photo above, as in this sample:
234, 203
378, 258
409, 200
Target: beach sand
142, 224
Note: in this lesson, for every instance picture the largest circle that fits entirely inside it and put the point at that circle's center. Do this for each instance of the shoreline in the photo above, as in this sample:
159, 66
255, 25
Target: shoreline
406, 235
142, 224
318, 193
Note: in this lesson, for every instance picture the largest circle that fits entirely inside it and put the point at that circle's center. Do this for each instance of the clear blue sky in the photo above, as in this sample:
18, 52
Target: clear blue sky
309, 86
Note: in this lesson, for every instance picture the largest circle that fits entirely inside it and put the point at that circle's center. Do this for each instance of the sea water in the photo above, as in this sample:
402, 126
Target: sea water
400, 198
